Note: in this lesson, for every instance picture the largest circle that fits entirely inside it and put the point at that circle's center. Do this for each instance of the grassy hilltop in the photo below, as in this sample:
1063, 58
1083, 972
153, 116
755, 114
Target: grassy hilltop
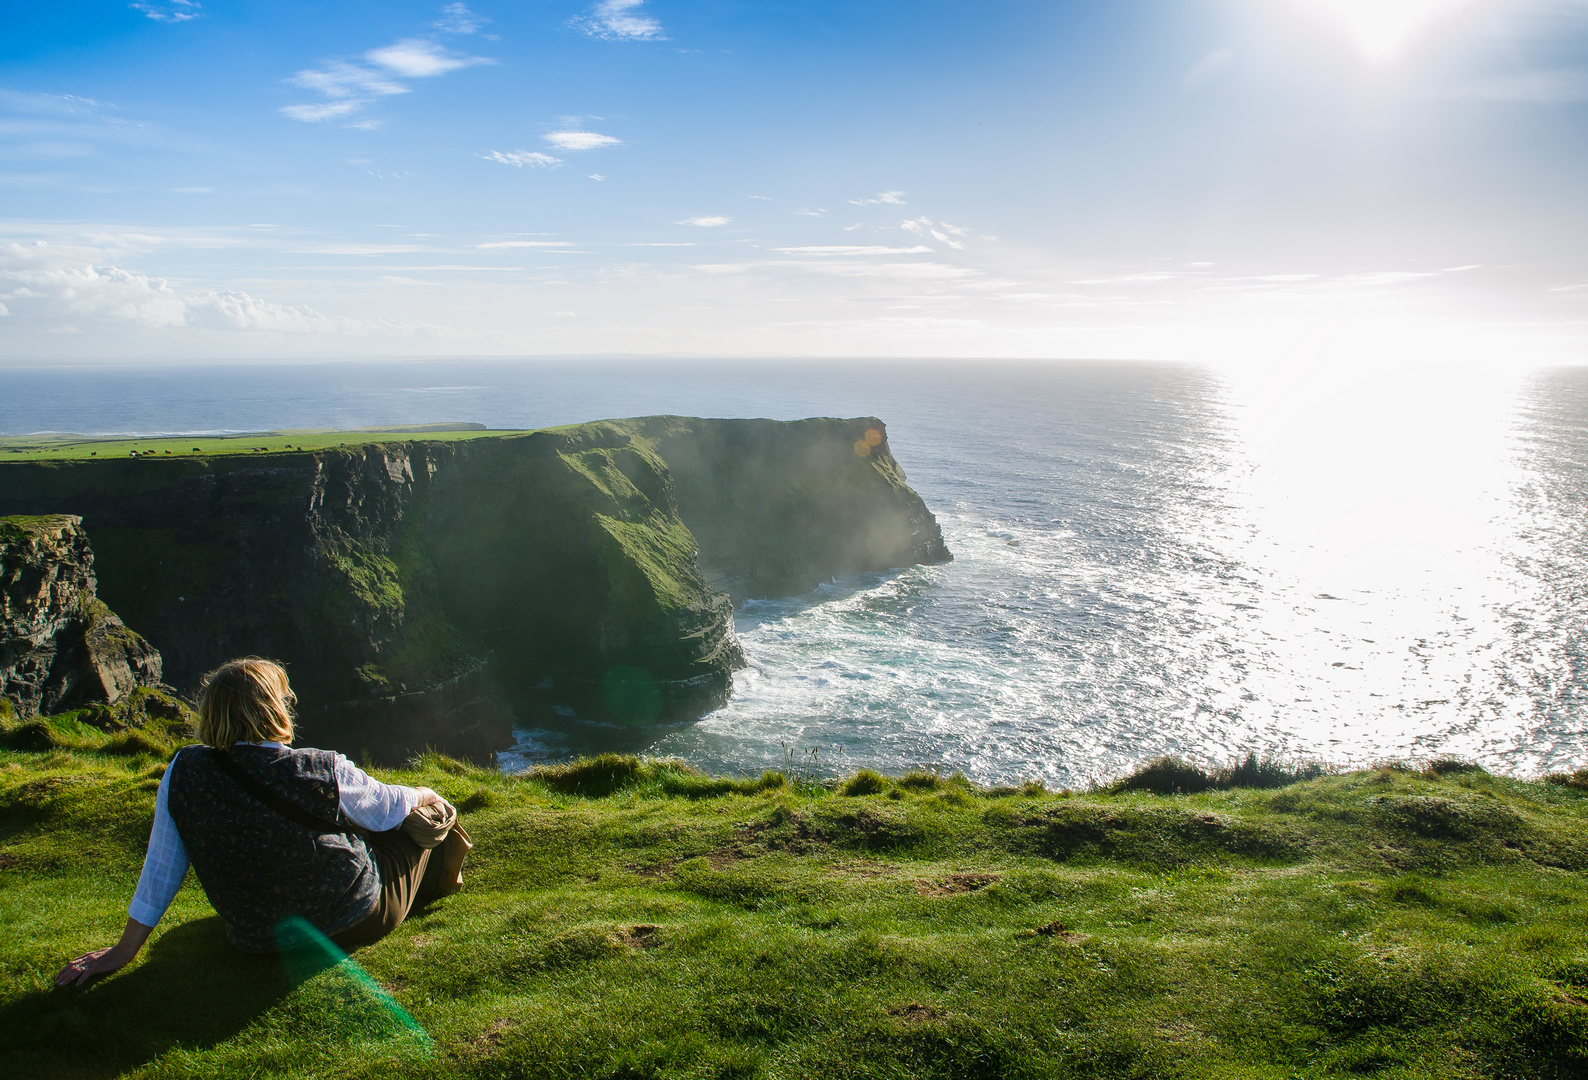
637, 919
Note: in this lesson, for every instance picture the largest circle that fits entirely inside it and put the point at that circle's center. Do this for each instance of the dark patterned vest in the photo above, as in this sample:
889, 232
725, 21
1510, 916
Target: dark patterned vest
256, 866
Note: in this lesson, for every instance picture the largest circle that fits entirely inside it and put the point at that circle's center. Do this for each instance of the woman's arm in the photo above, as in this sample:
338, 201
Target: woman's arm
164, 866
101, 961
375, 806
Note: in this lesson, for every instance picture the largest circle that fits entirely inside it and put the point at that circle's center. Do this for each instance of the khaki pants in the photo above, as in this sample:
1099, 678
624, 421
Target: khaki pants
410, 877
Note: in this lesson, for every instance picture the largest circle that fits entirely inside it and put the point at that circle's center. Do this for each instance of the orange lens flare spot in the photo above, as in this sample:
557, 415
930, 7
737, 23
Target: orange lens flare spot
863, 448
873, 437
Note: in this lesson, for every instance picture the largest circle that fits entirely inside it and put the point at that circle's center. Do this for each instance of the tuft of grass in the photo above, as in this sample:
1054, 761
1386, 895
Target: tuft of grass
1176, 776
1577, 779
864, 782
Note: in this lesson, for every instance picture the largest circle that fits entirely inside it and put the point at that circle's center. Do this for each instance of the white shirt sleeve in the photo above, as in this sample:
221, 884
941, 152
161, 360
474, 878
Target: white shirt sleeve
164, 866
367, 802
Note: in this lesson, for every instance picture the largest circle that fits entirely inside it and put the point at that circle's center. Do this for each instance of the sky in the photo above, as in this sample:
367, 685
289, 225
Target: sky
1243, 181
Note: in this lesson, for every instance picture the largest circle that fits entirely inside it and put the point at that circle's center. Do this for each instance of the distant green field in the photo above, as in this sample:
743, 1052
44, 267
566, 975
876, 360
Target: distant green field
83, 447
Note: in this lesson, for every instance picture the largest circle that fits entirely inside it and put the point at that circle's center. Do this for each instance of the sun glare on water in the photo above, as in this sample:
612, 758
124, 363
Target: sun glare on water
1383, 29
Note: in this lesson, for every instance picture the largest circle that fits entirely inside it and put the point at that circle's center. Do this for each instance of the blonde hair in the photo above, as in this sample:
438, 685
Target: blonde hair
246, 700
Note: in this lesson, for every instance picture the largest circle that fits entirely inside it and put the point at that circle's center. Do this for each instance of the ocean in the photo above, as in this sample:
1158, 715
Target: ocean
1149, 558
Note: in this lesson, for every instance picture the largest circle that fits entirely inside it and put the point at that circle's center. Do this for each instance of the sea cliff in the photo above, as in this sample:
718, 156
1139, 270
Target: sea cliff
419, 588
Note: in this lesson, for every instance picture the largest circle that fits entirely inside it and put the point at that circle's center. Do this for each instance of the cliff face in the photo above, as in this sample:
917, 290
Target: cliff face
779, 507
60, 646
410, 585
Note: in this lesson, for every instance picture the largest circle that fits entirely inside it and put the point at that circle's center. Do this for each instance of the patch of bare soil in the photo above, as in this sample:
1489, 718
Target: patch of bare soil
1058, 931
916, 1013
954, 884
644, 936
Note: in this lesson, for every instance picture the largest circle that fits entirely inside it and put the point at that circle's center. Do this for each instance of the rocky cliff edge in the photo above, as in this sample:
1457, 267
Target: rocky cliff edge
417, 587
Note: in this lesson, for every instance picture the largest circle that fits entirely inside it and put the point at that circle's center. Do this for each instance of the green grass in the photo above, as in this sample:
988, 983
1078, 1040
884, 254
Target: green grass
629, 918
83, 447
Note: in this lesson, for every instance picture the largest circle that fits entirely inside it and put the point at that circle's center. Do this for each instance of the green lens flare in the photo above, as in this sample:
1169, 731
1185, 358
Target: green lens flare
306, 952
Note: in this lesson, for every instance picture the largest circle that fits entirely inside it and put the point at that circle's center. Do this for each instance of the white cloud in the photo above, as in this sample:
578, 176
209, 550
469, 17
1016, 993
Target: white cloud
533, 158
349, 87
310, 114
852, 249
525, 244
892, 198
580, 140
458, 19
344, 81
924, 227
721, 268
169, 11
416, 58
812, 213
704, 222
596, 176
612, 20
38, 286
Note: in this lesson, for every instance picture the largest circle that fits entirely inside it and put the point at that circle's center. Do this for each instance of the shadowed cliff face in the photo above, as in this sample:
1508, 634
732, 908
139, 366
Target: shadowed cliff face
414, 588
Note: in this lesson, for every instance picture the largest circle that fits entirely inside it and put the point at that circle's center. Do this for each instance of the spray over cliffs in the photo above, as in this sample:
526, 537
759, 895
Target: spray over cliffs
422, 591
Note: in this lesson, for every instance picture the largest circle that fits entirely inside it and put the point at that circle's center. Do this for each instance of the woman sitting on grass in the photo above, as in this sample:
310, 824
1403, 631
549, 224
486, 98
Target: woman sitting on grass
275, 833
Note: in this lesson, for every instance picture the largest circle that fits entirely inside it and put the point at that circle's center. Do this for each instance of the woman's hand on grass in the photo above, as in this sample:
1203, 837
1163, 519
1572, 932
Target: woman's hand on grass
104, 961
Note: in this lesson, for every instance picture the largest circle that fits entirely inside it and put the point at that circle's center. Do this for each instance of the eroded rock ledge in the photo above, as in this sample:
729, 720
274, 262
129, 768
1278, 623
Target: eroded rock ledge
60, 646
416, 587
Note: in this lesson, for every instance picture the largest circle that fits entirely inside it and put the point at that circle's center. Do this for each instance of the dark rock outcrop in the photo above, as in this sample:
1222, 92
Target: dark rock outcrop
60, 646
414, 587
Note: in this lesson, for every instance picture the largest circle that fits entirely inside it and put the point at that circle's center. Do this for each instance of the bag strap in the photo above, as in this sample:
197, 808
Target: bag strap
292, 813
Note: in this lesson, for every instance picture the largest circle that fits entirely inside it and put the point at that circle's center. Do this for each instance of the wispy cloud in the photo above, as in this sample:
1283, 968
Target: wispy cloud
704, 222
525, 244
348, 87
416, 58
47, 285
923, 227
852, 249
892, 198
169, 11
458, 19
520, 158
615, 20
580, 140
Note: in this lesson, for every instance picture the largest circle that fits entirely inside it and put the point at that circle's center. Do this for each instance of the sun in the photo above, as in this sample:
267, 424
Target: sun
1383, 29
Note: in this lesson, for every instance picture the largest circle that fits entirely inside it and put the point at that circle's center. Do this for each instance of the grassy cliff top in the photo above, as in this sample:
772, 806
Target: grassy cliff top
628, 918
83, 447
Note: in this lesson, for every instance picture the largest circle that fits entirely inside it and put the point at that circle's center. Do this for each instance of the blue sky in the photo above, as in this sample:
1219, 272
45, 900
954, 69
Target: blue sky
1203, 179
